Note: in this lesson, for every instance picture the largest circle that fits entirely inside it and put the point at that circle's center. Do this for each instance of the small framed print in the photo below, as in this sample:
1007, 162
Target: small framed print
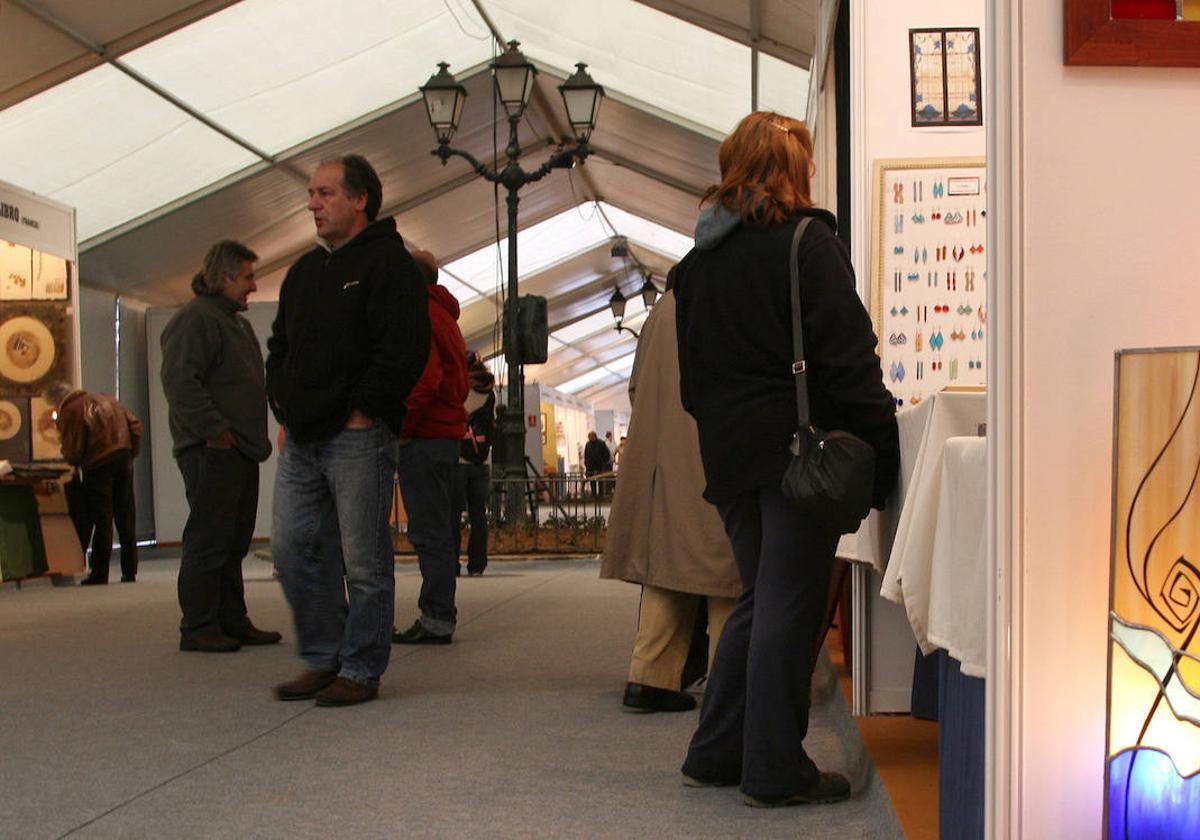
50, 280
16, 272
944, 70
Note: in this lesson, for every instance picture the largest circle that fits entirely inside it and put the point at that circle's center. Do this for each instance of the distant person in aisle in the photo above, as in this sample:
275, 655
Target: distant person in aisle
737, 381
596, 459
100, 438
212, 377
473, 476
429, 445
348, 344
662, 534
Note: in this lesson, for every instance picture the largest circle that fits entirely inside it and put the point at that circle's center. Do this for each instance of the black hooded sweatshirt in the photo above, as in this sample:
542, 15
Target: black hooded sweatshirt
352, 332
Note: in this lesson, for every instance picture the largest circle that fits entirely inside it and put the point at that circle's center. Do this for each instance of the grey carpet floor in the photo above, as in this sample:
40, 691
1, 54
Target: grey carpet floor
514, 730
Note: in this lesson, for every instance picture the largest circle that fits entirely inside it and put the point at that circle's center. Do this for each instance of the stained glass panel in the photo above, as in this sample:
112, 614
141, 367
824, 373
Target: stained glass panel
1153, 766
945, 77
929, 89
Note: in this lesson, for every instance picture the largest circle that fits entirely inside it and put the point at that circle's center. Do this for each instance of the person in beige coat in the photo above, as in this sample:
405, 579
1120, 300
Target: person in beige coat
661, 533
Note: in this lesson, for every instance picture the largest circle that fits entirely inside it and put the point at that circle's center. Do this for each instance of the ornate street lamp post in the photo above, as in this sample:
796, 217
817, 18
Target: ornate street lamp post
444, 97
616, 303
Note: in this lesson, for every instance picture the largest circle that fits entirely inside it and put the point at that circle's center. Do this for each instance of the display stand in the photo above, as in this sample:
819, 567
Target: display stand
39, 328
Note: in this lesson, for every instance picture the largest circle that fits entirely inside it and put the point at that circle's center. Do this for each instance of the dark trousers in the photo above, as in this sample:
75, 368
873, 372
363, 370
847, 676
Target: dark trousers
104, 499
425, 467
222, 494
471, 484
755, 713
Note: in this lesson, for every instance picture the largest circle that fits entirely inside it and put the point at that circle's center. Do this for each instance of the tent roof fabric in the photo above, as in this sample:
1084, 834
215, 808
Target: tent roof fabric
171, 125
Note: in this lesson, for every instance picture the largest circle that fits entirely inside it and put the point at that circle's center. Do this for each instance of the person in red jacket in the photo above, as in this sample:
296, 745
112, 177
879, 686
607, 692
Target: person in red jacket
429, 443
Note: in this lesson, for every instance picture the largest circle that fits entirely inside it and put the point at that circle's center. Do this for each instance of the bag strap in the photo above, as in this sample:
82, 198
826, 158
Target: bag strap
799, 368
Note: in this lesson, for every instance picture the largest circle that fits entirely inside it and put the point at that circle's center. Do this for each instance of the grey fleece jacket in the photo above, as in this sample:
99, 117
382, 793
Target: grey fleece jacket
213, 378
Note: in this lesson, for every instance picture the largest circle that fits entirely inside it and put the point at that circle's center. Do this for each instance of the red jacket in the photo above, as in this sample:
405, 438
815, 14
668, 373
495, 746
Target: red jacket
435, 406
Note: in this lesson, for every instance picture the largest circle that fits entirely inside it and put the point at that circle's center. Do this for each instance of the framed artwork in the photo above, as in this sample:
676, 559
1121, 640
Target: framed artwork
34, 347
929, 274
14, 429
1155, 33
945, 75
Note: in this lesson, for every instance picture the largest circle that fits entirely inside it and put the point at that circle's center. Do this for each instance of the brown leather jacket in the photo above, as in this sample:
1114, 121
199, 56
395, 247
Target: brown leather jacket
95, 427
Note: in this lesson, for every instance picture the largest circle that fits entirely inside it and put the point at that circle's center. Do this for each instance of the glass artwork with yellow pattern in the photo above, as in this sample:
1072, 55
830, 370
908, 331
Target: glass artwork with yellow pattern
1153, 764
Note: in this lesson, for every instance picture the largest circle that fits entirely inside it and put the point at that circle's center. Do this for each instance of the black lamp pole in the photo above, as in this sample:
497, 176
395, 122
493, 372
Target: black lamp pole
444, 98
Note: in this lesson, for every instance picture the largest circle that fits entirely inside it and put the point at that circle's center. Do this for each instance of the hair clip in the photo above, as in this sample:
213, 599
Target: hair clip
780, 126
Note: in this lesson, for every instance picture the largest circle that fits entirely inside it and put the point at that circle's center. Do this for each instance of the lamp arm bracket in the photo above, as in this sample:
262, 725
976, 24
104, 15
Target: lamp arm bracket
445, 152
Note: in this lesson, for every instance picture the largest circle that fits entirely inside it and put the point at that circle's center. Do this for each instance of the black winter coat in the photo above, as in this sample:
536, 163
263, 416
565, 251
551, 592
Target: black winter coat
352, 332
735, 354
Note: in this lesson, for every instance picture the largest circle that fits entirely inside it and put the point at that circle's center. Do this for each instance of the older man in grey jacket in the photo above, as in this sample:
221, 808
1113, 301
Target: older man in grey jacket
213, 378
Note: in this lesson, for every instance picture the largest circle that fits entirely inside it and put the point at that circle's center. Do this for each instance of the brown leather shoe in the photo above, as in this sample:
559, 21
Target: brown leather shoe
305, 686
251, 635
209, 641
345, 692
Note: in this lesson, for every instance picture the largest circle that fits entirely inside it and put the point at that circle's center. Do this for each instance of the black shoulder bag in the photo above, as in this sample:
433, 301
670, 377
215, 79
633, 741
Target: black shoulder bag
831, 475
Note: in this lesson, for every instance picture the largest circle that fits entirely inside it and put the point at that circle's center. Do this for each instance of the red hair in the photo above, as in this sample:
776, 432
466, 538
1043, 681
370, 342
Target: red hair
766, 169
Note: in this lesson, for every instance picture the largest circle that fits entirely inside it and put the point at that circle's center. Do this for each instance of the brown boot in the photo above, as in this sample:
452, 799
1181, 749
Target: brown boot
251, 635
345, 692
305, 686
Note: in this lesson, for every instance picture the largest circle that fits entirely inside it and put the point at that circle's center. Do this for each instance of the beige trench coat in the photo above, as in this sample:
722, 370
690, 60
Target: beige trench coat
661, 532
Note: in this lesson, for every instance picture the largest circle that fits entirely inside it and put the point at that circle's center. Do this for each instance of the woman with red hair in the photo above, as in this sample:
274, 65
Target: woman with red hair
735, 357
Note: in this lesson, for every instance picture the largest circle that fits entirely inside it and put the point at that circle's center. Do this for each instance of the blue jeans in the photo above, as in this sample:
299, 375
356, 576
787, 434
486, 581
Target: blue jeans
471, 485
426, 470
330, 537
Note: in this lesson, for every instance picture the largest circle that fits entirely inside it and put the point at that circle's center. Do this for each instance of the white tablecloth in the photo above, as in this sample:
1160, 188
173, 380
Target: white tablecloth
958, 568
924, 430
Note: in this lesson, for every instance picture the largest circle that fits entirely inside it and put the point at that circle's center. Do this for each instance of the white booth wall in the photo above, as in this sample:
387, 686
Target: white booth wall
881, 119
1104, 205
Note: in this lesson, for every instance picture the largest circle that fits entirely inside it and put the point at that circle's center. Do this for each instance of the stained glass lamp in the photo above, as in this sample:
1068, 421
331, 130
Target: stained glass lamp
1153, 760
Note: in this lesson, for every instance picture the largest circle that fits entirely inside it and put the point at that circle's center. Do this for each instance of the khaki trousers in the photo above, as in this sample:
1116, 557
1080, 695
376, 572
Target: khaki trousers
664, 634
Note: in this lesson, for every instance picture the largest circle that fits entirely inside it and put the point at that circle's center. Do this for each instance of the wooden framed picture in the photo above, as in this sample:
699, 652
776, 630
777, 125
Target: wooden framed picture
1152, 33
945, 77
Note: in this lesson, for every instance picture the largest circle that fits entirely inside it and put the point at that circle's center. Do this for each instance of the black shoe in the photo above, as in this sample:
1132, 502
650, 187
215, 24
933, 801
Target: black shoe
829, 787
210, 641
647, 698
128, 579
92, 581
473, 572
251, 635
418, 635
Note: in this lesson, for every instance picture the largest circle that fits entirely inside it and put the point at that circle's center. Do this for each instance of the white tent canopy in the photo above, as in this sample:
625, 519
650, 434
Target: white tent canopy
177, 124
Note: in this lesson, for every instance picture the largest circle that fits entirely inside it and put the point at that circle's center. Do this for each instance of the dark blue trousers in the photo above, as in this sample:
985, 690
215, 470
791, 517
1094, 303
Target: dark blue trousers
755, 712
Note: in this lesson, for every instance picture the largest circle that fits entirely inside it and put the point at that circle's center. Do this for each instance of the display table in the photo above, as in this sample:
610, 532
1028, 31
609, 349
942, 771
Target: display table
924, 431
36, 533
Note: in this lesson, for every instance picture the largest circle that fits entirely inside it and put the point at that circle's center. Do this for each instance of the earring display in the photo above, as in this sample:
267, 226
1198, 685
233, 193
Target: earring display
938, 320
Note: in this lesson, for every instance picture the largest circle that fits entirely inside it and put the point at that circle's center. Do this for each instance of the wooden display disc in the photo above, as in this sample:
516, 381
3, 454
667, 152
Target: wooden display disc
26, 349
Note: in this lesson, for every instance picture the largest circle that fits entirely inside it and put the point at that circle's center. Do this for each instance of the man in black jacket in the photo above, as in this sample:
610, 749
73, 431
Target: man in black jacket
212, 376
350, 340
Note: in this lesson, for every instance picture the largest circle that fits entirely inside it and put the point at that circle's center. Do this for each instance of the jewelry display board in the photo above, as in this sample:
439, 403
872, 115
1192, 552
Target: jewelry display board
929, 274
